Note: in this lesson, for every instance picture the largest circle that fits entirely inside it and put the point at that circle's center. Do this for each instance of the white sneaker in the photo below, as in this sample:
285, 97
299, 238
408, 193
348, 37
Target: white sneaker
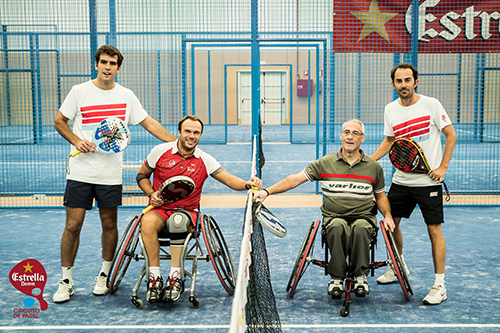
101, 286
436, 295
174, 288
361, 288
336, 288
389, 276
155, 289
64, 292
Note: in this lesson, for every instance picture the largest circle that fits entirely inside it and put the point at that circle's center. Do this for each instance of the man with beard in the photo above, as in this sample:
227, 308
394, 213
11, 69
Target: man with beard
422, 119
179, 158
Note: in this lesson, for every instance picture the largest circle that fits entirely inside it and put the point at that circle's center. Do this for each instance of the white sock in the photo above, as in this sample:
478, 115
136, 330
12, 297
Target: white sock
173, 270
155, 271
439, 279
106, 266
67, 273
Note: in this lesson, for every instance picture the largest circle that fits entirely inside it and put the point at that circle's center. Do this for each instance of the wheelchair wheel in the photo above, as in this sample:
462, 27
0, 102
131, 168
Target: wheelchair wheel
219, 253
301, 263
397, 263
124, 254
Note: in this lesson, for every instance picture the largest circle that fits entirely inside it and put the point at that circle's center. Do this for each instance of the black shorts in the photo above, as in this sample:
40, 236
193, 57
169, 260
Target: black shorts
81, 195
403, 200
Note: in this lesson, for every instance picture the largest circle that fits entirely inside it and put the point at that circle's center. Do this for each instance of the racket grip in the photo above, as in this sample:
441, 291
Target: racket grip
74, 153
148, 209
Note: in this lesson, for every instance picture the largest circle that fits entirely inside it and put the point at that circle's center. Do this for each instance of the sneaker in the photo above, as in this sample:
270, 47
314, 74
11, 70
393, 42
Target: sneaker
155, 290
336, 288
361, 288
436, 295
101, 286
174, 288
390, 277
64, 292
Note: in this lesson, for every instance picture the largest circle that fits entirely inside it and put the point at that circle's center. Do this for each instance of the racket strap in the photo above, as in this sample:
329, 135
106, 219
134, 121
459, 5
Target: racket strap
447, 198
67, 164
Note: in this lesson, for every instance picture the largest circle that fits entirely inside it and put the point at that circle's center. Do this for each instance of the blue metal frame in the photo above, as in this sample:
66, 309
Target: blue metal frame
414, 35
93, 35
197, 43
479, 112
112, 23
255, 59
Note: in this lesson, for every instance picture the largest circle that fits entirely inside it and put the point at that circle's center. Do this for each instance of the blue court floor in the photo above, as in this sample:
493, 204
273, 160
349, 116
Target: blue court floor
472, 270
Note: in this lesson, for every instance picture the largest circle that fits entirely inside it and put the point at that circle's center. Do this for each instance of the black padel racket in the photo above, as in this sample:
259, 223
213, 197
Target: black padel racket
173, 189
407, 156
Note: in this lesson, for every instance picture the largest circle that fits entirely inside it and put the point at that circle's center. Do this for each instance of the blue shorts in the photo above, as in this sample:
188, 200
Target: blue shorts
81, 195
403, 200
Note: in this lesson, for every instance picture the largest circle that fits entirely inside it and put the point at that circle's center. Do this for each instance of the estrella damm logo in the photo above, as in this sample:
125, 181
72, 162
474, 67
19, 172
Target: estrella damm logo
29, 277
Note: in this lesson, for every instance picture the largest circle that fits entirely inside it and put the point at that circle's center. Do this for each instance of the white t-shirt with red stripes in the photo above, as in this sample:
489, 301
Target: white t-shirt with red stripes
87, 106
422, 122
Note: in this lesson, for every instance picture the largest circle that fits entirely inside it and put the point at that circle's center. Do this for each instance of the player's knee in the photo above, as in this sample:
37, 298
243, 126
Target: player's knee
73, 227
149, 224
109, 225
434, 230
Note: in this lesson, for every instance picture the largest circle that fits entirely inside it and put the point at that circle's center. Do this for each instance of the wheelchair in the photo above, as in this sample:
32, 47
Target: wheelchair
304, 259
217, 253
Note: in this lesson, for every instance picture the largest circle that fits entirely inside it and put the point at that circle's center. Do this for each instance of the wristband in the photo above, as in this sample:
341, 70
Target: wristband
266, 191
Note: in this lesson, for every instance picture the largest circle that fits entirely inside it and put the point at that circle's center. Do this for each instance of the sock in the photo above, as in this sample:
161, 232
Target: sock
174, 270
106, 266
155, 271
67, 273
439, 279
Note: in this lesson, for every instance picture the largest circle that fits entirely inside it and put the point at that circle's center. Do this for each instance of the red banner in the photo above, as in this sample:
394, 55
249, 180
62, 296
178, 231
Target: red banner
444, 26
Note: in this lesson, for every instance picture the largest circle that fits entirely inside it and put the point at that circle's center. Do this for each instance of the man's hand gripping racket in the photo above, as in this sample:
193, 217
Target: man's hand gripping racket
267, 219
407, 156
174, 189
109, 136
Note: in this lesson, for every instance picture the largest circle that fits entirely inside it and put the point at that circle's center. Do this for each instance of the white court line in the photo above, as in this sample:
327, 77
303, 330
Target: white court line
147, 327
485, 136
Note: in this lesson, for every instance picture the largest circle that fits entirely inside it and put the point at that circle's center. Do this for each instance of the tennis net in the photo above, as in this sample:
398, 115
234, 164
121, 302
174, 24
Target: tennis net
254, 306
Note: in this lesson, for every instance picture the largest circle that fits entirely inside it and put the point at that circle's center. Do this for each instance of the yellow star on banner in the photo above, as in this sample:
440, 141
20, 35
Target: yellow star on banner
28, 267
373, 21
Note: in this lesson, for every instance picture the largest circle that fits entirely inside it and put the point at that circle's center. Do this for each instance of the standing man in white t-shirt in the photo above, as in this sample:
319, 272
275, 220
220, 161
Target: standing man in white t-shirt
422, 119
95, 175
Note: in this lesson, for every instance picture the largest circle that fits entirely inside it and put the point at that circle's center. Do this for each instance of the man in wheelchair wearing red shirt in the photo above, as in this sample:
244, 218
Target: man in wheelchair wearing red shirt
179, 158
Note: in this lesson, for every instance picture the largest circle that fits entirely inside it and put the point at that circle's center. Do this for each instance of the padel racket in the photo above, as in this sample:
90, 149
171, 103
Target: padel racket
174, 189
268, 220
406, 155
110, 136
